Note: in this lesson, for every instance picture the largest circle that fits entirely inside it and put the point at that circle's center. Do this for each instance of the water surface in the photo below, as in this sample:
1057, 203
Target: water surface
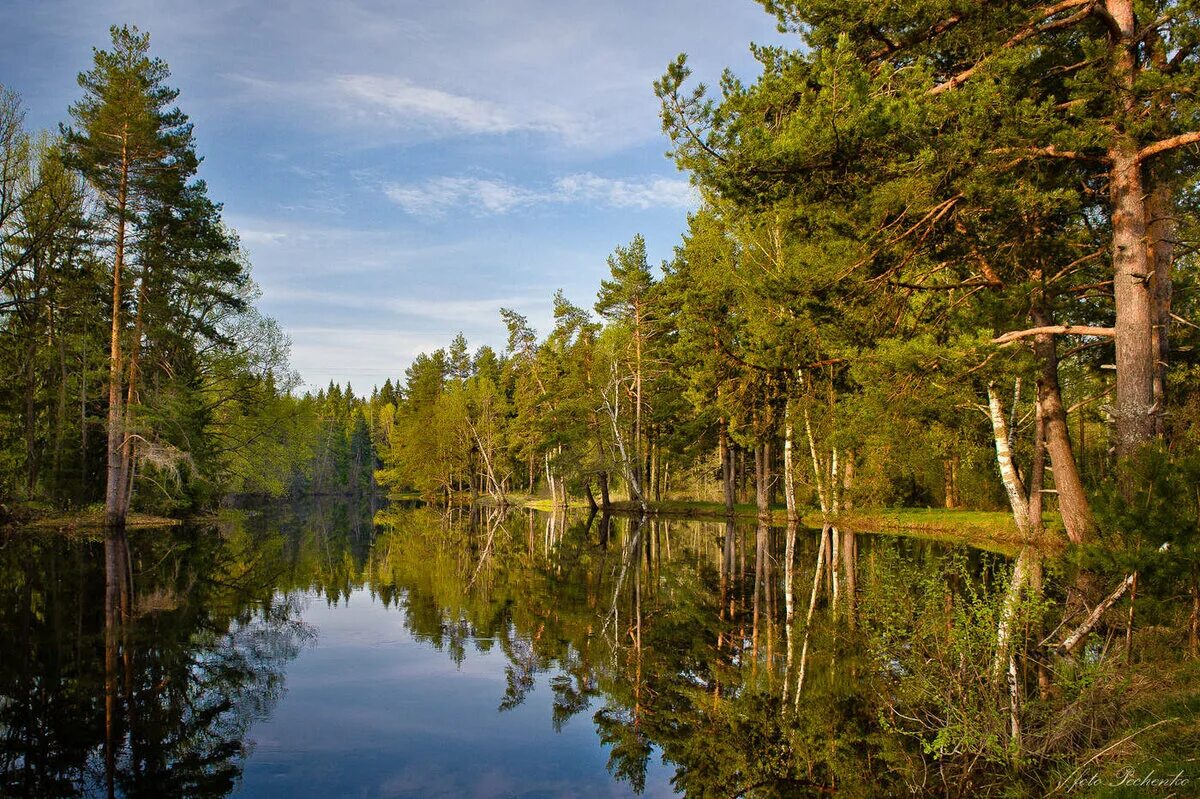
323, 650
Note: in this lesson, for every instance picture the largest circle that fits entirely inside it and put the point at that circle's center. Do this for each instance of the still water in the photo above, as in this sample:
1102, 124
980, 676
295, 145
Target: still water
330, 650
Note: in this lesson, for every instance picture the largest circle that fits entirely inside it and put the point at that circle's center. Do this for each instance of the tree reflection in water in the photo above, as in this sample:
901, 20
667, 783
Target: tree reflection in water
135, 666
680, 636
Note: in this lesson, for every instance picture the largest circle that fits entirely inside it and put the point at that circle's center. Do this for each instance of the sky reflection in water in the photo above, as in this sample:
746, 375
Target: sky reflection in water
304, 651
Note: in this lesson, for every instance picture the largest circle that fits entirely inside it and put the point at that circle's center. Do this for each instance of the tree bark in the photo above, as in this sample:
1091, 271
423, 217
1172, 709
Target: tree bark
1008, 471
135, 352
789, 476
762, 476
727, 476
1133, 404
848, 479
1037, 472
1072, 499
1160, 227
114, 514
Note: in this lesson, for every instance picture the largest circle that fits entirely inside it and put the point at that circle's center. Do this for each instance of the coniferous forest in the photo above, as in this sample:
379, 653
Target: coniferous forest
940, 278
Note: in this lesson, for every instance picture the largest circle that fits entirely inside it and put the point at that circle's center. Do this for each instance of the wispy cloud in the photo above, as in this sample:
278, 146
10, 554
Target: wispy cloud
436, 196
399, 101
386, 105
485, 196
653, 192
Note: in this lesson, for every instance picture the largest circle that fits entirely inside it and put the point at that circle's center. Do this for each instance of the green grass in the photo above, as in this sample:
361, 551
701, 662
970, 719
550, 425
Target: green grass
1162, 736
992, 530
91, 520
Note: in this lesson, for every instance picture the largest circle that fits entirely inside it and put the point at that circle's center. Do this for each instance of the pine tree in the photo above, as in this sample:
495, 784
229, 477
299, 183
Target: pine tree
133, 147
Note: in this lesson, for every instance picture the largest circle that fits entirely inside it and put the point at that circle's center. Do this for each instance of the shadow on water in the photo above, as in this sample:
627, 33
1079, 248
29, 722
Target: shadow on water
140, 665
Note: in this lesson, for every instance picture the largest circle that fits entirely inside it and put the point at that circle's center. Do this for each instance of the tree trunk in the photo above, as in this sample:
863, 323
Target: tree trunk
1008, 470
789, 476
135, 353
1072, 500
114, 513
761, 471
727, 477
1160, 227
1133, 404
1037, 472
822, 496
848, 480
605, 502
31, 455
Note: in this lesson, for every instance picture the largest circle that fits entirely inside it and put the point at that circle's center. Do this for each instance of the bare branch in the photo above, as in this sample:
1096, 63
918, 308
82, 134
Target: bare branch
1173, 143
1073, 640
1058, 330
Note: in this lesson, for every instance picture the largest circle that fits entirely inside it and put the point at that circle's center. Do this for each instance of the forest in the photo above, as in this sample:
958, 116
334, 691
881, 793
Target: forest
943, 257
128, 306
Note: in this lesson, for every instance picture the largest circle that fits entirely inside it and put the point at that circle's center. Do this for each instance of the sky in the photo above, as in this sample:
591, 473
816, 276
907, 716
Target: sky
399, 171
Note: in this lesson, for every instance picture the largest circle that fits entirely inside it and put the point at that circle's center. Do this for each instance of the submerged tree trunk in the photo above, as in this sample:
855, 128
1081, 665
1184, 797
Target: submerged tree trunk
789, 604
850, 572
1008, 611
812, 606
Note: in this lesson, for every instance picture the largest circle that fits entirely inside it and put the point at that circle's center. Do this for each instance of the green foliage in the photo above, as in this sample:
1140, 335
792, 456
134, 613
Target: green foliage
1149, 520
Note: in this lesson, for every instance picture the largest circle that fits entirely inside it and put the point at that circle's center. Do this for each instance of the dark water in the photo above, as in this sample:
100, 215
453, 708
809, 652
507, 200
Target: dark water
312, 651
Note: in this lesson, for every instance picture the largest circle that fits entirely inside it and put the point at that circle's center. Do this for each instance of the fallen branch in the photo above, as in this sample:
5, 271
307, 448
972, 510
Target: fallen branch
1071, 641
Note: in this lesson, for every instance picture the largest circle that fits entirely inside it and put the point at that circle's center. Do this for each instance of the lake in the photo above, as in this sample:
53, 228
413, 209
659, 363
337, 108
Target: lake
326, 649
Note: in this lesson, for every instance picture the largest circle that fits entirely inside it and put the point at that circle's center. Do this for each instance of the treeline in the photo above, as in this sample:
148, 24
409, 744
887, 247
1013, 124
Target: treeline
654, 397
136, 365
932, 246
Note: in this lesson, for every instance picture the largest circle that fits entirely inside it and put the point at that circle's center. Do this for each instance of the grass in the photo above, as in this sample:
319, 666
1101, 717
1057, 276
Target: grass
1161, 738
92, 519
992, 530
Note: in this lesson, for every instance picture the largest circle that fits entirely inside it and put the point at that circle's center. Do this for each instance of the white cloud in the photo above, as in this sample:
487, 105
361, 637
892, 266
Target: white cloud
656, 192
484, 196
438, 195
383, 105
400, 102
253, 237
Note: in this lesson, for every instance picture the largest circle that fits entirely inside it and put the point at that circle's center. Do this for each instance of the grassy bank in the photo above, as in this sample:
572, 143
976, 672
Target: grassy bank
86, 521
992, 530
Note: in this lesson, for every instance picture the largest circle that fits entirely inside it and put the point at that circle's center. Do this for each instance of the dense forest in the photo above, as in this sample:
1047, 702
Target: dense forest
128, 306
922, 257
943, 257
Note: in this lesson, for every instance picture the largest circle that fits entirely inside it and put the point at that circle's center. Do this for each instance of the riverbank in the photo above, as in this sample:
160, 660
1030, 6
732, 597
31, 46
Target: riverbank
993, 530
87, 521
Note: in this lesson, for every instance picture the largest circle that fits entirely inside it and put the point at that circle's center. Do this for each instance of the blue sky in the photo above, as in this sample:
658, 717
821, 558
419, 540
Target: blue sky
398, 171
